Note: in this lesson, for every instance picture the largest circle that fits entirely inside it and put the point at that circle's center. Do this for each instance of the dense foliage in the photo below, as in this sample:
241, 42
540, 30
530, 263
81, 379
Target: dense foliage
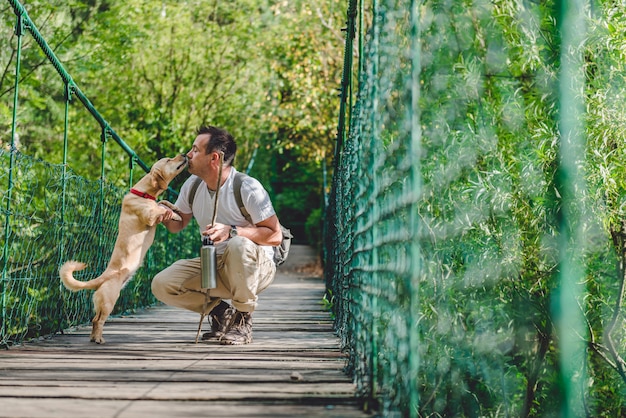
156, 70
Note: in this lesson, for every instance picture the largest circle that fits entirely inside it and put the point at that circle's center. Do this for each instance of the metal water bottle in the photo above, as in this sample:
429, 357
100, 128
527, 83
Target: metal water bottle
208, 264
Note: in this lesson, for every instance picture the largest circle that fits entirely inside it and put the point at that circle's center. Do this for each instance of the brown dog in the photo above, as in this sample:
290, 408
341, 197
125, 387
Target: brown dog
137, 226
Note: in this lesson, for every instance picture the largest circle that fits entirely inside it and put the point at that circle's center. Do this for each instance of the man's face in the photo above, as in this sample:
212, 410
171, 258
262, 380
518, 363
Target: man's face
198, 159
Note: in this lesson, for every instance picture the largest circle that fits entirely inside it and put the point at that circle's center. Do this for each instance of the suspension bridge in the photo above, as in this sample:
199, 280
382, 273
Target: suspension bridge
151, 364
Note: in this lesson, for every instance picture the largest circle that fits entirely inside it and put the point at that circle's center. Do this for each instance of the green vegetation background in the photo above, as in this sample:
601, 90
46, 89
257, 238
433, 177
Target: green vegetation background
156, 70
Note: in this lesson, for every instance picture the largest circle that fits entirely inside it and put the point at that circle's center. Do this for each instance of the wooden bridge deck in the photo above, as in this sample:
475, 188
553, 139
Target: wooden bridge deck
151, 366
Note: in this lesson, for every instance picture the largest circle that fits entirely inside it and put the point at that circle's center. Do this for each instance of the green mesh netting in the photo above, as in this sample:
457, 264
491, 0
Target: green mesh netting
475, 233
46, 228
50, 215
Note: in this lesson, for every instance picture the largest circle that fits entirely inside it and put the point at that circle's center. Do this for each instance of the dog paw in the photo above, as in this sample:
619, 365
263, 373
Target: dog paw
97, 340
176, 215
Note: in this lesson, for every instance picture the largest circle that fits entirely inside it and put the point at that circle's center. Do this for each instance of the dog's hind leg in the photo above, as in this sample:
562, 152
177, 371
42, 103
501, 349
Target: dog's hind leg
104, 301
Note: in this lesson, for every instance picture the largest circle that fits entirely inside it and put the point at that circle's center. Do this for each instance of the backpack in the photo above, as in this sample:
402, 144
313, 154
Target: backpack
281, 251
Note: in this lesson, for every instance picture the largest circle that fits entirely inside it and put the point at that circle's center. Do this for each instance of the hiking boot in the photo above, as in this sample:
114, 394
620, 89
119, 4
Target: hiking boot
220, 317
240, 331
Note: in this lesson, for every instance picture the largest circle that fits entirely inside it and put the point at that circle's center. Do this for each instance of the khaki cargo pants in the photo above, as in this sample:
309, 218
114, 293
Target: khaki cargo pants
243, 271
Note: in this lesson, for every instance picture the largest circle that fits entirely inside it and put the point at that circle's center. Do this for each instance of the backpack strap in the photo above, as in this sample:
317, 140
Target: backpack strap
194, 189
237, 189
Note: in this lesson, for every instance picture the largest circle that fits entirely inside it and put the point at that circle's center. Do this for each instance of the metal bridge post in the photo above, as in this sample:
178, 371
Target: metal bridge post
104, 137
415, 190
566, 311
19, 31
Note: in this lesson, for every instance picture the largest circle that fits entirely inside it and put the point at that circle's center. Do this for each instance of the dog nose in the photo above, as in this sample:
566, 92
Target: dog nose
184, 163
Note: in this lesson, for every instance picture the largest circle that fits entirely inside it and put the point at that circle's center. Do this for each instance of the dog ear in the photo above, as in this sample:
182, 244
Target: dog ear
158, 182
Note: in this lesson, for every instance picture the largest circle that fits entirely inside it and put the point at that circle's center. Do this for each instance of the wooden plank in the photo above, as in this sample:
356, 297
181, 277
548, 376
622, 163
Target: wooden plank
179, 391
151, 365
45, 408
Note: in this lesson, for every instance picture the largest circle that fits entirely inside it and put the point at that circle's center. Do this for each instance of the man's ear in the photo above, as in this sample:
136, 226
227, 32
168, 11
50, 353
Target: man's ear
217, 158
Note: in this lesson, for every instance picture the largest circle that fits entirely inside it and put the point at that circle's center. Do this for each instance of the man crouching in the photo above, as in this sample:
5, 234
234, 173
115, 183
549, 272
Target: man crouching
245, 253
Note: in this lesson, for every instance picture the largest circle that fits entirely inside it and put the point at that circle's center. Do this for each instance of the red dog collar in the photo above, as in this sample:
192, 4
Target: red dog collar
142, 194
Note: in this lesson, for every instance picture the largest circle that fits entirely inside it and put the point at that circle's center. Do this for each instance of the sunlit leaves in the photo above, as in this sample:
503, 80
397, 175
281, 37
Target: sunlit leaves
157, 70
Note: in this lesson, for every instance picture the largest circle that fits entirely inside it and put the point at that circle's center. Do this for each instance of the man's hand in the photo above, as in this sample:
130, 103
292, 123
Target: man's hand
217, 232
166, 216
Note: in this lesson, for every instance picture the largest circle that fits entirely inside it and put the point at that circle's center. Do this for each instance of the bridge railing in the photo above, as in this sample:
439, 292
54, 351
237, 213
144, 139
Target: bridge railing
51, 215
475, 228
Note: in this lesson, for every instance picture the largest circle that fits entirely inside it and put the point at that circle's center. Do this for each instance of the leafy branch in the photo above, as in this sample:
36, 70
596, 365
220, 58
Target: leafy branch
619, 238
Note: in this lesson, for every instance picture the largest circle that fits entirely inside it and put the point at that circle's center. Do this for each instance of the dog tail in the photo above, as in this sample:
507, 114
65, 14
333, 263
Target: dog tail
71, 283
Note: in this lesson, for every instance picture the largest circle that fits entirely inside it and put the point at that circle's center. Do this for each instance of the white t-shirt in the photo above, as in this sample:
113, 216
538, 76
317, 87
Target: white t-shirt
254, 196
